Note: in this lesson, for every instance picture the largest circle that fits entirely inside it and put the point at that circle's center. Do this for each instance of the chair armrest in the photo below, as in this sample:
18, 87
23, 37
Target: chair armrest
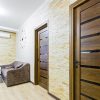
4, 66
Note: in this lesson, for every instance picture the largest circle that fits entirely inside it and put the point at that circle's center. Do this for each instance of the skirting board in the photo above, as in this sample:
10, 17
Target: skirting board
53, 96
32, 82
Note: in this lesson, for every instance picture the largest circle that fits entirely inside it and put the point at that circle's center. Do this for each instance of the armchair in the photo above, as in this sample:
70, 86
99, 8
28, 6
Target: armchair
15, 73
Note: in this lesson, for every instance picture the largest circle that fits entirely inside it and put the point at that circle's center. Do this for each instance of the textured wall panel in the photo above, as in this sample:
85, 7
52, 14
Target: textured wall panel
8, 49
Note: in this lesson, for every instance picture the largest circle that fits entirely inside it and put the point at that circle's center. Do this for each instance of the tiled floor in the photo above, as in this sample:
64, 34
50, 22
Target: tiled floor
25, 91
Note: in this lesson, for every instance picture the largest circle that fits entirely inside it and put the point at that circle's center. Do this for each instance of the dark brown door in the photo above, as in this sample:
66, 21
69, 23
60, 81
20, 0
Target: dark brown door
87, 50
43, 57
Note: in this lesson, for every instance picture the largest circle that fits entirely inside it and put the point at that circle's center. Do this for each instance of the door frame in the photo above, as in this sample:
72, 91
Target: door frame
36, 69
71, 48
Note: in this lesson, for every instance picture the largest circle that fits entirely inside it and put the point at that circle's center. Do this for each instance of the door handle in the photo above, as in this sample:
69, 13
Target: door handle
77, 63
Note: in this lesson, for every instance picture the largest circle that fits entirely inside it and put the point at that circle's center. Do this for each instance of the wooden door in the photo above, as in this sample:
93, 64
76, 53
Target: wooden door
43, 57
86, 50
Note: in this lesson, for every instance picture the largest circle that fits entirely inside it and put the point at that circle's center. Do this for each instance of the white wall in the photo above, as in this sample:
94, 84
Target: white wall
25, 48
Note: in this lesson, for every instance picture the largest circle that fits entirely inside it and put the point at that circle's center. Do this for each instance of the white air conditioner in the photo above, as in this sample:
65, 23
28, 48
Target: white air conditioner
4, 34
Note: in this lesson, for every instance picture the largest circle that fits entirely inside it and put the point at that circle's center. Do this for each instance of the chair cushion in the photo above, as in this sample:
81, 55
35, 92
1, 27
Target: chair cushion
5, 70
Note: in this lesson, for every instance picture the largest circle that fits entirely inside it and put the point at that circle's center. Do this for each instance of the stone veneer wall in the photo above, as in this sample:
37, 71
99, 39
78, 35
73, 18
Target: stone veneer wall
8, 49
56, 12
59, 48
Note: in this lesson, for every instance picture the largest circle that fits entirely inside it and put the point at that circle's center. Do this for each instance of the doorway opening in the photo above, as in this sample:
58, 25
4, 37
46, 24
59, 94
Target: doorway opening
41, 56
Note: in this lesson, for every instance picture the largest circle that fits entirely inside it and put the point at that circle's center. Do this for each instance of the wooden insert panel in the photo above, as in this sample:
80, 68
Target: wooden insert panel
90, 43
90, 90
90, 74
90, 13
90, 58
91, 27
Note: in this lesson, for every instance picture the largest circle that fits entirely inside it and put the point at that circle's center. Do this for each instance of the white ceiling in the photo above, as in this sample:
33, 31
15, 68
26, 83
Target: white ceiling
13, 13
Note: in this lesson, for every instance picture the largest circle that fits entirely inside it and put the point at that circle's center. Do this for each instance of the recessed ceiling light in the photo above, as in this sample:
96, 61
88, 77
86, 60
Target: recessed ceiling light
2, 11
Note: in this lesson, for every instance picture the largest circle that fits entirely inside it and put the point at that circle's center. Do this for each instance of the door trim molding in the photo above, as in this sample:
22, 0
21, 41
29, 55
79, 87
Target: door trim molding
71, 48
37, 52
